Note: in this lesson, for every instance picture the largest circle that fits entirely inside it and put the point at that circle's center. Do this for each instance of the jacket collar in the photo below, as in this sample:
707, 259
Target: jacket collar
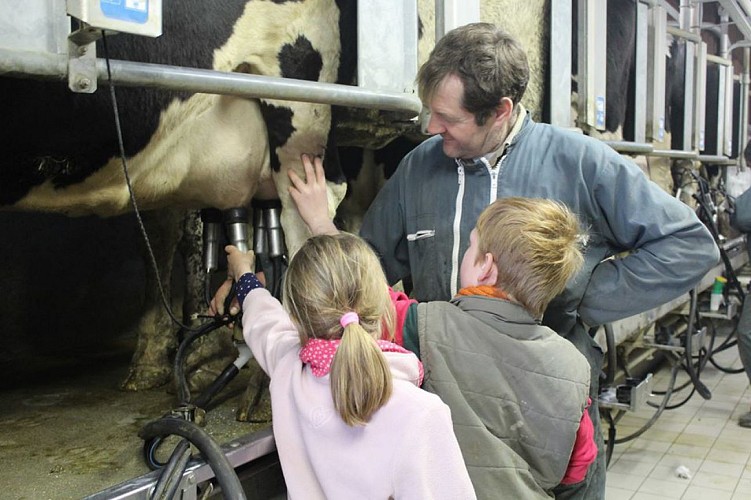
494, 156
498, 314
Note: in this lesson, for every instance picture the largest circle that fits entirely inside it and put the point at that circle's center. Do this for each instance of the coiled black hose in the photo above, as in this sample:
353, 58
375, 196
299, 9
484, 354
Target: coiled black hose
211, 451
169, 479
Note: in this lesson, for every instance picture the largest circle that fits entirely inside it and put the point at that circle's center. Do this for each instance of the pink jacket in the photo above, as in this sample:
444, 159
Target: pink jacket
407, 450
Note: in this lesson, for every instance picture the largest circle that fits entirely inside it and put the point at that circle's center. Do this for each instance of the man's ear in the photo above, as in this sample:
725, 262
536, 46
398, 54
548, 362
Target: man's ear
489, 271
504, 111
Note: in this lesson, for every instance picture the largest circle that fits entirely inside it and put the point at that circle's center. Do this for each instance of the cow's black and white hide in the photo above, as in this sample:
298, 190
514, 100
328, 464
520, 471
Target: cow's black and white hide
184, 151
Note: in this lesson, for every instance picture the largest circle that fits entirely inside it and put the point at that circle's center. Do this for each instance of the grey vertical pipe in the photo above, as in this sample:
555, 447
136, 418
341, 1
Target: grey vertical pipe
656, 74
700, 79
559, 87
440, 20
592, 63
743, 139
726, 146
687, 13
640, 79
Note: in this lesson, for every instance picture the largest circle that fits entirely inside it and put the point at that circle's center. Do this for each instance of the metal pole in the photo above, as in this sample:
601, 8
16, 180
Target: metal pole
674, 153
631, 147
743, 139
137, 74
716, 159
440, 20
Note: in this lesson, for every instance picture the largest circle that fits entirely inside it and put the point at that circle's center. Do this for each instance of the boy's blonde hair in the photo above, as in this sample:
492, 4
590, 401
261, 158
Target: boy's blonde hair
537, 246
329, 276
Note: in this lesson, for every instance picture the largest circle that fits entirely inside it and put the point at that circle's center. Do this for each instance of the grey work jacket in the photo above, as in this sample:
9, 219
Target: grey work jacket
420, 222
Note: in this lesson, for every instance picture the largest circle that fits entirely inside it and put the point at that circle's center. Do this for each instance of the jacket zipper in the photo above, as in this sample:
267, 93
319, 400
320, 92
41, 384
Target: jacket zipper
494, 174
457, 229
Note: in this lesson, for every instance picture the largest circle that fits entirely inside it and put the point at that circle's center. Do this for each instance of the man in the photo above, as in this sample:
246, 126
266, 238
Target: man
741, 220
645, 247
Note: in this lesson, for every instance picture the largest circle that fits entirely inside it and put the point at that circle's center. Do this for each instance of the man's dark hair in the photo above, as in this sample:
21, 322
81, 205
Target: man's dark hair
490, 63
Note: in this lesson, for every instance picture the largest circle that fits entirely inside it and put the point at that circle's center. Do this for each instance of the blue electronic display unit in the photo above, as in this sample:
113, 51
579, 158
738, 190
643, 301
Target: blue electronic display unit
140, 17
135, 11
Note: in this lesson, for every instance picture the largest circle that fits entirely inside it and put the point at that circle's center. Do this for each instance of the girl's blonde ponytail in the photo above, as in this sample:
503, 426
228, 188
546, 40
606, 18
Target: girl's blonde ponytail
360, 376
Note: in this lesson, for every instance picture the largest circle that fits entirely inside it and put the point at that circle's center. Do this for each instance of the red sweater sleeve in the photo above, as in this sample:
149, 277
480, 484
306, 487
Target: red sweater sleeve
584, 452
401, 304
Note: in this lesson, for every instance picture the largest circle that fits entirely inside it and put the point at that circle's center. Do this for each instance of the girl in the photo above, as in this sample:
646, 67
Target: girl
349, 419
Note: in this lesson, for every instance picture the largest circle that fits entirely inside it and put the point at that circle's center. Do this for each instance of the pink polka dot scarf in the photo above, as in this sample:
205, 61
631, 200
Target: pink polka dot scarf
319, 353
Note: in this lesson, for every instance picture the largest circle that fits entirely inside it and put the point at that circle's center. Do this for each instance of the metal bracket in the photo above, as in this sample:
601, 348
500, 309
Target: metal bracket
82, 72
630, 396
190, 413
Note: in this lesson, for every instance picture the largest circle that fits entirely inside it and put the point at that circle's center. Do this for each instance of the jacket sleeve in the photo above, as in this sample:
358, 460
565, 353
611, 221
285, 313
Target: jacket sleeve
667, 249
431, 464
741, 218
267, 329
383, 227
401, 303
584, 452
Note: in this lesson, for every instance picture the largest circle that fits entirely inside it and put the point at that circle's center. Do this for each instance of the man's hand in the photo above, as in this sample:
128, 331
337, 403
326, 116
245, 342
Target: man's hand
310, 196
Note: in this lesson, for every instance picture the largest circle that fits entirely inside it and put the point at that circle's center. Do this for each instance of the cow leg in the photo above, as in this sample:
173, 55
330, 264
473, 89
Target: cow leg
150, 366
255, 404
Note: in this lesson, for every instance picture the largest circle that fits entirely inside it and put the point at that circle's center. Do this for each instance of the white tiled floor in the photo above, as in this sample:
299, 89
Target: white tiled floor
702, 435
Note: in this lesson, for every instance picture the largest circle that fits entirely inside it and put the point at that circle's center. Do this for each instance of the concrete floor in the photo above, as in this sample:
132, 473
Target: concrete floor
72, 293
76, 435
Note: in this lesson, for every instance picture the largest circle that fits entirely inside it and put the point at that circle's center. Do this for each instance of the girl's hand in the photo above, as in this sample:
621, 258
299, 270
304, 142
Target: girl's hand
216, 306
310, 196
239, 263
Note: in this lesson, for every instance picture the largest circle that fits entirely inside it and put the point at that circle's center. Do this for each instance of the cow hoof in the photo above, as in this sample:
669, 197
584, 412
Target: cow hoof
141, 378
201, 378
255, 410
255, 405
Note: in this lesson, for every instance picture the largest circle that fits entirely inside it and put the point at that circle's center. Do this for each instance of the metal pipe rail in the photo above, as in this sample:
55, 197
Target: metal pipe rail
693, 37
138, 74
717, 160
722, 61
674, 153
631, 147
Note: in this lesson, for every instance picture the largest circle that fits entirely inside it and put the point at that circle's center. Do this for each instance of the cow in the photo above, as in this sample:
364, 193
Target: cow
186, 151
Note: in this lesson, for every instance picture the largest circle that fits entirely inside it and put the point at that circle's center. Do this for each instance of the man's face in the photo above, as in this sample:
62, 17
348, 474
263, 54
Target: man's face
462, 137
471, 268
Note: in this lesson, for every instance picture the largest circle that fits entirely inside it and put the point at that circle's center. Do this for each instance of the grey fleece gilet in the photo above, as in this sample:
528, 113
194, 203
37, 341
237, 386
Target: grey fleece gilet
516, 390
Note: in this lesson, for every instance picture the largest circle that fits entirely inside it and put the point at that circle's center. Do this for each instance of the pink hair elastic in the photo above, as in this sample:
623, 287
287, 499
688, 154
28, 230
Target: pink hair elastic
347, 318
